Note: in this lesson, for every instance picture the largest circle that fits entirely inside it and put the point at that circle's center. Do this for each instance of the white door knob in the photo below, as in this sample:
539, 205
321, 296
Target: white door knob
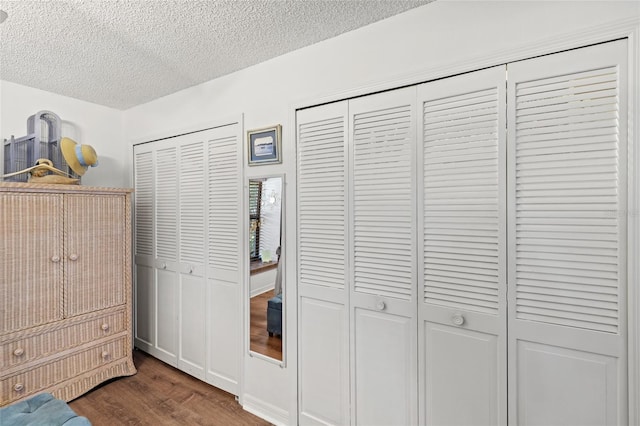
380, 305
457, 319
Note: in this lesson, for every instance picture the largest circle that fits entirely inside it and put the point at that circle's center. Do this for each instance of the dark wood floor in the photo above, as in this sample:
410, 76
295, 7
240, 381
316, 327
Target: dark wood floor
261, 342
160, 395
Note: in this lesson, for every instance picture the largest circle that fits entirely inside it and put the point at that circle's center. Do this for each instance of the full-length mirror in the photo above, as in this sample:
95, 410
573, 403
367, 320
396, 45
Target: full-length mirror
266, 305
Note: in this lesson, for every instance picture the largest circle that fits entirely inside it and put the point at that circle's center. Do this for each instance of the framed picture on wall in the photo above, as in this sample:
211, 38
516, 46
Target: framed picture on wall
264, 145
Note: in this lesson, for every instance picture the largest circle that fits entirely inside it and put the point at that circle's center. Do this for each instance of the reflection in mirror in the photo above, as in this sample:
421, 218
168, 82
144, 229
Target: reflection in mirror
265, 283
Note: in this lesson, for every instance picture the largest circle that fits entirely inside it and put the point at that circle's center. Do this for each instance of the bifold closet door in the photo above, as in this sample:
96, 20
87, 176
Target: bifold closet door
188, 252
567, 237
224, 257
156, 248
323, 247
192, 284
462, 258
383, 258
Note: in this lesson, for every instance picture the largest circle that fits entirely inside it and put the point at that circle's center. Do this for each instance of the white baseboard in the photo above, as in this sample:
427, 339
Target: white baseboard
264, 410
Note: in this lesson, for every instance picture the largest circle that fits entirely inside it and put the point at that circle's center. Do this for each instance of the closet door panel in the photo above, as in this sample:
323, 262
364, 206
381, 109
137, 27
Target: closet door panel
191, 224
223, 198
567, 136
383, 257
144, 243
192, 325
324, 347
560, 386
224, 218
384, 369
166, 347
462, 305
452, 377
224, 336
145, 296
323, 245
166, 251
166, 204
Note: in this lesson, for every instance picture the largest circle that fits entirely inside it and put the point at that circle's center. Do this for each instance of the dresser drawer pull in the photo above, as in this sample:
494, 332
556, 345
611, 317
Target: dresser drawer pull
73, 257
18, 352
104, 327
105, 354
55, 259
18, 387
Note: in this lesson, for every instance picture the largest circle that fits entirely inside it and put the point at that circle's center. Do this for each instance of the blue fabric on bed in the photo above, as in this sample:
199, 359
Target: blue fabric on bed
41, 410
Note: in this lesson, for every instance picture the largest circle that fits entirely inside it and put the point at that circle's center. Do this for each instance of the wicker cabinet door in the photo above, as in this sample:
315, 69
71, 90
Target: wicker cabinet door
96, 252
31, 253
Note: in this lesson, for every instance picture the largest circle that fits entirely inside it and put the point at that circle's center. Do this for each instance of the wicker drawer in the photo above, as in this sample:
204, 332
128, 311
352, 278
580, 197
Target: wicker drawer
38, 345
74, 365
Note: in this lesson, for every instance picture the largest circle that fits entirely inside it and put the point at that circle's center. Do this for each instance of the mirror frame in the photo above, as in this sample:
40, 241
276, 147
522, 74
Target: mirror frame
247, 268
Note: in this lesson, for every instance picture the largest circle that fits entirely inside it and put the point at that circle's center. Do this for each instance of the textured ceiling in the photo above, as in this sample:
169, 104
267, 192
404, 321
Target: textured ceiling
122, 53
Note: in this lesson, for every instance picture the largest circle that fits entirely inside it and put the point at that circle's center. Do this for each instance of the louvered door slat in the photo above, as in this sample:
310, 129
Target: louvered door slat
144, 203
191, 164
321, 200
223, 200
446, 158
166, 175
572, 190
382, 185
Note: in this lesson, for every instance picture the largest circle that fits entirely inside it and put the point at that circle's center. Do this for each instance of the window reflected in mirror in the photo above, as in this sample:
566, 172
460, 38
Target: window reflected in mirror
265, 283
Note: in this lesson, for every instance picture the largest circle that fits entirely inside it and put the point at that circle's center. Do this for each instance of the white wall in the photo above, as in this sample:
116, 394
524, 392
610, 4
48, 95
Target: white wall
432, 41
84, 122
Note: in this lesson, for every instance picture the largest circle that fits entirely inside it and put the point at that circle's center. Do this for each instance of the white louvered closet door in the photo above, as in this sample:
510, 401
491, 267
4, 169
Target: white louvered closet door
323, 247
383, 258
166, 251
145, 289
567, 237
223, 256
192, 284
462, 258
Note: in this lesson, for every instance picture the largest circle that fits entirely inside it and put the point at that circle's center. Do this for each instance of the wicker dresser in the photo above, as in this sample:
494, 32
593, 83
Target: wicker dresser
65, 289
